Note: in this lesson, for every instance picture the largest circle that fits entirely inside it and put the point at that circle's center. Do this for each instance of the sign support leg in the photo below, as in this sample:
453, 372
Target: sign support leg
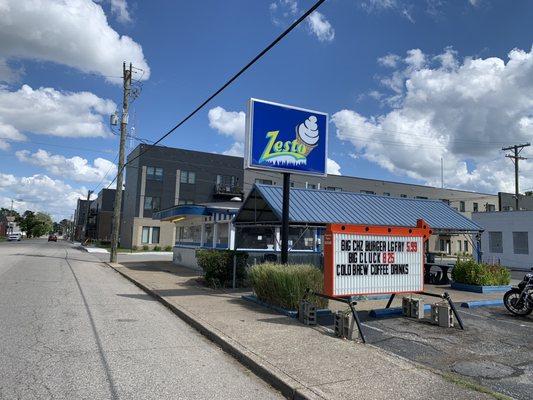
356, 318
390, 300
285, 218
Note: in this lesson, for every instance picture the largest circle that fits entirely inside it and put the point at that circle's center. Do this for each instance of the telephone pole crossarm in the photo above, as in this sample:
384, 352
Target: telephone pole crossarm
515, 157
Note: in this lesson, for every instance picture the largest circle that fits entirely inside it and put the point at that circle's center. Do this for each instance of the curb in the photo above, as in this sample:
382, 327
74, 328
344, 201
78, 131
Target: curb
280, 310
482, 303
247, 360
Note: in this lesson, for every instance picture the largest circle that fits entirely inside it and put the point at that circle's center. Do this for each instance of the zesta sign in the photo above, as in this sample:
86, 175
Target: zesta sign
374, 259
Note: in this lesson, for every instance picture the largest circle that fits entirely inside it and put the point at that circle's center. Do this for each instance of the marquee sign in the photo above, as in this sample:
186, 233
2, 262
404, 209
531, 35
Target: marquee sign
363, 259
285, 138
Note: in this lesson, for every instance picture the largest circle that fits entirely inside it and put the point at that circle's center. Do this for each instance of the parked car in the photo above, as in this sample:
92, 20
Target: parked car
14, 237
52, 238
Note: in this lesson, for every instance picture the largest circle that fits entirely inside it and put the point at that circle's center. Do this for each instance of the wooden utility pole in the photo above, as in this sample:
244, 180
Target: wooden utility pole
515, 157
118, 192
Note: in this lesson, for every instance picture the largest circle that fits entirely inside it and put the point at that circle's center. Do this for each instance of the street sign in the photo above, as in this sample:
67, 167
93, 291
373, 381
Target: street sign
285, 138
363, 259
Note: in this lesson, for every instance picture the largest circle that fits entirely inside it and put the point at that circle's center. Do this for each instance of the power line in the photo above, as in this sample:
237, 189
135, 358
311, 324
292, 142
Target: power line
234, 77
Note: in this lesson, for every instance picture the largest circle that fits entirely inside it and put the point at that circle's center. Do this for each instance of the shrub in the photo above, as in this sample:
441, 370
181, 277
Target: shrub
157, 248
168, 248
145, 247
472, 273
218, 266
285, 285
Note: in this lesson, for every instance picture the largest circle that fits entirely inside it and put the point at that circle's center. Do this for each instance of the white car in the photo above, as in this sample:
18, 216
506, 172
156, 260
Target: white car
14, 236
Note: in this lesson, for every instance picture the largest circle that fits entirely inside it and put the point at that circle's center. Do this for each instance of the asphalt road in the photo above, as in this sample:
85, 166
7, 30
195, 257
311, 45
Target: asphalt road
72, 328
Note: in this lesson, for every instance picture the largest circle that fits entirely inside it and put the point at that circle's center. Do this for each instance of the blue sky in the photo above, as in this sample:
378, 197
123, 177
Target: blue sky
405, 83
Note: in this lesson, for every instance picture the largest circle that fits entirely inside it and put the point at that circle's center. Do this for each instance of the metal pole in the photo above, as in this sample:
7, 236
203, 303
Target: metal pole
516, 183
452, 306
285, 218
118, 191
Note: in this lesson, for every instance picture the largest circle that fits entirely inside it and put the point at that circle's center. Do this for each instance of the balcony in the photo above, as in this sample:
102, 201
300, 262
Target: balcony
223, 190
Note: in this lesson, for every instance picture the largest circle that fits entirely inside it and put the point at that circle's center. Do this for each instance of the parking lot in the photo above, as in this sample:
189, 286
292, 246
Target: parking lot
495, 350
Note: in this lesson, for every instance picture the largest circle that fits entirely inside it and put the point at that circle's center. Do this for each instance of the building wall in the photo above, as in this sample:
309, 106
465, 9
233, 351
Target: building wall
170, 190
506, 223
167, 233
507, 201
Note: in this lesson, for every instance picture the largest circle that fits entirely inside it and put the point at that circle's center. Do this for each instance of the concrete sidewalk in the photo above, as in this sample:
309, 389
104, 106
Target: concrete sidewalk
302, 362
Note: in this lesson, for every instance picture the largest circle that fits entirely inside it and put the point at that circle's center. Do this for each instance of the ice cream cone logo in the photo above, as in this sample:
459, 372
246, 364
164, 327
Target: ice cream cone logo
295, 151
307, 134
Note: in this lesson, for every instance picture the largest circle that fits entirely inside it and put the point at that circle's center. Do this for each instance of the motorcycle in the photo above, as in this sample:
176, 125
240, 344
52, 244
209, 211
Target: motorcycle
519, 300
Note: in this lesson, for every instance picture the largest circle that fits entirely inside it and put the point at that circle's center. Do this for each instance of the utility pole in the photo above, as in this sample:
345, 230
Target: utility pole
126, 74
515, 157
84, 236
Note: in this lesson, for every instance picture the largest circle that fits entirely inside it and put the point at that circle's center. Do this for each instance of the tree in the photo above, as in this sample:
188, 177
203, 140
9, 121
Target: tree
35, 224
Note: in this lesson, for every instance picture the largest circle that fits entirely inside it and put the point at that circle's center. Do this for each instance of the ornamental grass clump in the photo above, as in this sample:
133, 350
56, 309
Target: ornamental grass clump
472, 273
285, 285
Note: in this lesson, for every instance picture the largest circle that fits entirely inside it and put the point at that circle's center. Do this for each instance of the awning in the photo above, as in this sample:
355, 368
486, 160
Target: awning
319, 207
221, 210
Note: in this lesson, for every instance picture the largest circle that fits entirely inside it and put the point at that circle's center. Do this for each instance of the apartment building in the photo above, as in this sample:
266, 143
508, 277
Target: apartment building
100, 221
164, 177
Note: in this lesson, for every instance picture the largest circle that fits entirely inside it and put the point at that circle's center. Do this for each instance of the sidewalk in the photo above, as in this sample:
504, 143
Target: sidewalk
302, 362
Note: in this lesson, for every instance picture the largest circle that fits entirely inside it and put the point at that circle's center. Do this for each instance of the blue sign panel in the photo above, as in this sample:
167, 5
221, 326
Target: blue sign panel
286, 139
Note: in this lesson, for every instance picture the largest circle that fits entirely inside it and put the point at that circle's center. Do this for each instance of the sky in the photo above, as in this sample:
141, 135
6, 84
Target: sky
406, 83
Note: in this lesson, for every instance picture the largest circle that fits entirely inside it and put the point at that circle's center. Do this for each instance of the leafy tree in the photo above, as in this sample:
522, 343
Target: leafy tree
35, 224
26, 222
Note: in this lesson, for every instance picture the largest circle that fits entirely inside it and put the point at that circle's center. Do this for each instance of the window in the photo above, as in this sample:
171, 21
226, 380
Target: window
254, 237
462, 207
208, 237
150, 235
230, 180
403, 195
466, 245
445, 201
334, 188
188, 177
263, 181
386, 194
442, 245
368, 192
154, 173
152, 203
421, 197
310, 185
495, 242
459, 245
189, 234
301, 239
222, 239
475, 207
292, 184
490, 207
520, 243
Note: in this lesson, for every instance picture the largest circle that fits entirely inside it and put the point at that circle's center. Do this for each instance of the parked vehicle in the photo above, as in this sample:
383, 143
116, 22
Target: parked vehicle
14, 237
52, 238
519, 300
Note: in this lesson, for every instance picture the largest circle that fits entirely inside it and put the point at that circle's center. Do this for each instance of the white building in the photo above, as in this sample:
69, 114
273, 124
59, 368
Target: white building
507, 238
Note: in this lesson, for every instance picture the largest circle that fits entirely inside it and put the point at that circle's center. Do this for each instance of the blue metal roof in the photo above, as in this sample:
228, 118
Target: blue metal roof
193, 210
308, 206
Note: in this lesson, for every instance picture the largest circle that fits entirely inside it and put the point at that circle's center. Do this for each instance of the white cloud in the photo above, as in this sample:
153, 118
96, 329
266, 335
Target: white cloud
75, 33
390, 60
228, 123
321, 27
51, 112
286, 11
333, 167
9, 133
237, 150
40, 193
461, 110
75, 168
120, 9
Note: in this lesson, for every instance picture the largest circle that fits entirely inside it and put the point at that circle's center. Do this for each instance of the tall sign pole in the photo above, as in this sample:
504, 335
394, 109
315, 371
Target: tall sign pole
118, 192
515, 157
285, 218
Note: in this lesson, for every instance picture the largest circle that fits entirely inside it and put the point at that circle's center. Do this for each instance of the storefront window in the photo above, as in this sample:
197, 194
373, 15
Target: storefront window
261, 238
222, 235
208, 241
189, 234
301, 239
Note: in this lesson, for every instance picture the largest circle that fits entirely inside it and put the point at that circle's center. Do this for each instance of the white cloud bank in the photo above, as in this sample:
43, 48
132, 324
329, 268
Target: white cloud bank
229, 123
75, 168
40, 193
51, 112
463, 111
333, 167
321, 27
75, 33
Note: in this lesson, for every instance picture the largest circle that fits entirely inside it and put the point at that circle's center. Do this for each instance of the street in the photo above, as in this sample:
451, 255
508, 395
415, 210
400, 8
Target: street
72, 328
